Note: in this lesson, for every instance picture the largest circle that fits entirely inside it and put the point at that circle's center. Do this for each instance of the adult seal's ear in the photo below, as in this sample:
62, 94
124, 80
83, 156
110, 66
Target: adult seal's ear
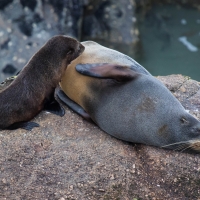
107, 70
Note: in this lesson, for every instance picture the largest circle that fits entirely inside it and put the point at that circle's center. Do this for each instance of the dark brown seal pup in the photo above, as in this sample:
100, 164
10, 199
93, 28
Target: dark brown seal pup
126, 101
34, 87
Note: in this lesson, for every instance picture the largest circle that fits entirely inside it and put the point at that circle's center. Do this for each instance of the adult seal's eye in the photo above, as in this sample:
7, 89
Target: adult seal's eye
183, 120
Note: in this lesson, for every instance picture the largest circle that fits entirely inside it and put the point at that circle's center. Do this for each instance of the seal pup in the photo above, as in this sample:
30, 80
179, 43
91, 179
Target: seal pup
126, 101
33, 88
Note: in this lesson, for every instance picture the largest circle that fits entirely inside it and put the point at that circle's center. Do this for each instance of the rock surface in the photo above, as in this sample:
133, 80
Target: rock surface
112, 23
26, 25
69, 158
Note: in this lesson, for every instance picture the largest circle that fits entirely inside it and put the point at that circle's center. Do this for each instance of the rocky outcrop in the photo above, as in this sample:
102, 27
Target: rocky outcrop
70, 158
26, 25
112, 23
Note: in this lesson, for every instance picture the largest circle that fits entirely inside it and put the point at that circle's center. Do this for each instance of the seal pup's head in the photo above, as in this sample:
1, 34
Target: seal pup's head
54, 57
64, 47
60, 50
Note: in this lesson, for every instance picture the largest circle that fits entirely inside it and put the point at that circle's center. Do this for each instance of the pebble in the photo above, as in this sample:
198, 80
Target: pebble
182, 89
112, 177
4, 180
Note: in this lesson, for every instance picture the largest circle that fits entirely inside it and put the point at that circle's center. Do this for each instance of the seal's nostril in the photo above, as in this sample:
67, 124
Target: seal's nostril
196, 130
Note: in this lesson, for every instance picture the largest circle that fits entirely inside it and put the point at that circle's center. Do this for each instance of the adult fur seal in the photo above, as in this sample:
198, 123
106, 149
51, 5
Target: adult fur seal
126, 101
33, 89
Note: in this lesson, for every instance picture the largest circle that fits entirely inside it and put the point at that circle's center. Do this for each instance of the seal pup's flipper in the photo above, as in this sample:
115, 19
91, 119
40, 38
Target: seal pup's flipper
71, 104
55, 108
24, 125
107, 70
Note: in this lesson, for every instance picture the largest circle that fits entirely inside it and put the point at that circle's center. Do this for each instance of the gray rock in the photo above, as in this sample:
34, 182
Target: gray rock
70, 158
112, 23
26, 25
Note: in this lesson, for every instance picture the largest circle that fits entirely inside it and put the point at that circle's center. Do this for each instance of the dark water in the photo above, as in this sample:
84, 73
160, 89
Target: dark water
170, 41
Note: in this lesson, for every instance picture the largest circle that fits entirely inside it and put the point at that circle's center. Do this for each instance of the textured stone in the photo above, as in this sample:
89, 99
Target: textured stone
70, 158
26, 25
112, 23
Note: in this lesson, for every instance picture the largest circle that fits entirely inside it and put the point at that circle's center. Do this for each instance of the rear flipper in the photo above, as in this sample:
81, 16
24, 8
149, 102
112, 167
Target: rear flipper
24, 125
71, 104
55, 108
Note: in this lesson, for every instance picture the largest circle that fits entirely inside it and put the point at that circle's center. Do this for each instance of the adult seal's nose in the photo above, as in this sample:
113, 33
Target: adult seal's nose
196, 130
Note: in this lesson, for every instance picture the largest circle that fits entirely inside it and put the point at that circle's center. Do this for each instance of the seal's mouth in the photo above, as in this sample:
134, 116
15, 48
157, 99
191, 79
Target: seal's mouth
194, 145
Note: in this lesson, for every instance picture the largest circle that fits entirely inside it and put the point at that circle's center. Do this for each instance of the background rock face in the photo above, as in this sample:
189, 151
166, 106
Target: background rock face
112, 23
70, 158
26, 25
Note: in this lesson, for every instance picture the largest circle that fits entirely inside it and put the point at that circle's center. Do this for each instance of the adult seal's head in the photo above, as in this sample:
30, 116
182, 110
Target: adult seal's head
33, 89
126, 101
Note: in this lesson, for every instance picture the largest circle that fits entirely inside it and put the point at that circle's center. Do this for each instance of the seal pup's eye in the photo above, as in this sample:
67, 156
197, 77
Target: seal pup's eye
70, 52
184, 121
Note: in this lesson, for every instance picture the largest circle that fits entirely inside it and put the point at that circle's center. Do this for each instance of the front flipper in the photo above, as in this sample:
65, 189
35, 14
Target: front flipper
55, 108
24, 125
74, 106
106, 70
